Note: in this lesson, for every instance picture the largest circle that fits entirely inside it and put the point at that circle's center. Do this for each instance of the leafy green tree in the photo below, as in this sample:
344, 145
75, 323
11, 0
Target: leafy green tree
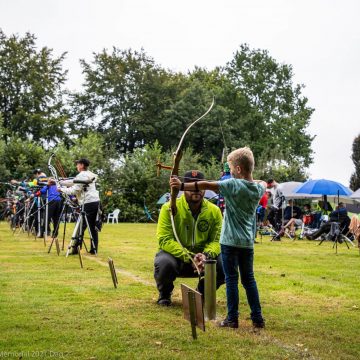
125, 94
93, 147
137, 182
280, 115
208, 136
355, 177
281, 171
4, 172
31, 95
21, 157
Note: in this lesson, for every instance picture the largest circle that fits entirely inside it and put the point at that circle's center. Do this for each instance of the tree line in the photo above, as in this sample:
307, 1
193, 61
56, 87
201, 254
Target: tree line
131, 112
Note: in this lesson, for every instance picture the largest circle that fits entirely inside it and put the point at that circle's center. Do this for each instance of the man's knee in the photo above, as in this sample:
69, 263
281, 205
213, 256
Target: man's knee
165, 266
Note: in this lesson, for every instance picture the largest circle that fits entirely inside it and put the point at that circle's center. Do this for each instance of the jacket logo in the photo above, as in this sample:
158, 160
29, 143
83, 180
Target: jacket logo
203, 225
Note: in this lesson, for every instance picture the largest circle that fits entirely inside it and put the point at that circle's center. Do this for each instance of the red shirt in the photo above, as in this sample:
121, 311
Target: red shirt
264, 200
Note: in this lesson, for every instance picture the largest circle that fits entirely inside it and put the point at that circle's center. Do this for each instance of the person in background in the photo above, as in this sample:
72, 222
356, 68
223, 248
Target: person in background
88, 196
54, 205
292, 217
274, 215
261, 210
226, 175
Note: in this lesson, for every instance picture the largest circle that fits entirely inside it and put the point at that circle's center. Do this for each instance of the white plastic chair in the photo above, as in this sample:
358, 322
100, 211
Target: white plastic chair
113, 216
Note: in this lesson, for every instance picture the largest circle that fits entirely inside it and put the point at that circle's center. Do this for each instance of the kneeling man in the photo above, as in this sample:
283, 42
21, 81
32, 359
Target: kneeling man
198, 225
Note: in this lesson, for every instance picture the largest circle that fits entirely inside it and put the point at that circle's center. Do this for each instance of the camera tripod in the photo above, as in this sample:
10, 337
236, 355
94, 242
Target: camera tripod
77, 239
66, 205
35, 213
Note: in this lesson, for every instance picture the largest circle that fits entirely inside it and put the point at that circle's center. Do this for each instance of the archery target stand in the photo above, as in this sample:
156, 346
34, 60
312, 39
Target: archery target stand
193, 309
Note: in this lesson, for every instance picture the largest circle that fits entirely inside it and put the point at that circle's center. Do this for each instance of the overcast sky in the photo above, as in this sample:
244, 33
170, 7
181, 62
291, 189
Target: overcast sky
320, 38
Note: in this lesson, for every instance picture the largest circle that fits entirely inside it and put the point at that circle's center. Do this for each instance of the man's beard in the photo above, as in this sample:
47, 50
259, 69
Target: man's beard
195, 198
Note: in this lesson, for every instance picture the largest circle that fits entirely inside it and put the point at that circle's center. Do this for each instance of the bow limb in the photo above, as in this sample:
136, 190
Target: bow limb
175, 192
54, 174
53, 170
177, 158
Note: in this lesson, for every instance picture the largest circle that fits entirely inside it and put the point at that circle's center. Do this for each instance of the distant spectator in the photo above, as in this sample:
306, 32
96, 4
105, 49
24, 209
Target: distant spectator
260, 211
293, 217
292, 211
226, 175
274, 215
339, 215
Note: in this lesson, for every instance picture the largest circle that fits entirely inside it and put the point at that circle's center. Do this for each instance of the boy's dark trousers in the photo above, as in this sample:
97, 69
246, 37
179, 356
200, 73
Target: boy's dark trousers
167, 268
241, 260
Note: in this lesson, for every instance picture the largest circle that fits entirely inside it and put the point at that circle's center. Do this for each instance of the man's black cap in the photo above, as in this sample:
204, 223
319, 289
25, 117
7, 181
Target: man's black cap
193, 175
37, 171
83, 161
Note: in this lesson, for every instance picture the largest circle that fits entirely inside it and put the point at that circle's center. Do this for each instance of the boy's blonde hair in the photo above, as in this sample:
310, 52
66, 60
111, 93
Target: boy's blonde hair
244, 158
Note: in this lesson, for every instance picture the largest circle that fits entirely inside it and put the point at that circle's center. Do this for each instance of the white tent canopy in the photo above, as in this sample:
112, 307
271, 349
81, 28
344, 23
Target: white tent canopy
356, 195
288, 190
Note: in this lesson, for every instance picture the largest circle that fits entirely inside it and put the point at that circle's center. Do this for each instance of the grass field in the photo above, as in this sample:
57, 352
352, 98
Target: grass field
50, 308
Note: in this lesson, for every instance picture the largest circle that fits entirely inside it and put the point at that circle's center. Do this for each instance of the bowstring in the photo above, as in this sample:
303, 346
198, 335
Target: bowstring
224, 141
60, 168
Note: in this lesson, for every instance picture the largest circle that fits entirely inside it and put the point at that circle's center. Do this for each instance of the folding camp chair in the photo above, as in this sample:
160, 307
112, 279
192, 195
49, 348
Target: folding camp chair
311, 222
338, 234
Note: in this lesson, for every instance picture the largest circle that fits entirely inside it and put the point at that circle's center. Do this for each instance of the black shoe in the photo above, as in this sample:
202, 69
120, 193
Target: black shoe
164, 302
234, 324
92, 252
259, 325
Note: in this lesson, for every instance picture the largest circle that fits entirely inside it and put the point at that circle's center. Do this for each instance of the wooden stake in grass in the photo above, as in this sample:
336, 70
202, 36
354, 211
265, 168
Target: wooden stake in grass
54, 239
113, 272
57, 246
80, 257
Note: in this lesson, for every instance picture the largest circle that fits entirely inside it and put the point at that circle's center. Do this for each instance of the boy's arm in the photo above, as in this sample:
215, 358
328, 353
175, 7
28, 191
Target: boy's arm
261, 182
199, 185
213, 246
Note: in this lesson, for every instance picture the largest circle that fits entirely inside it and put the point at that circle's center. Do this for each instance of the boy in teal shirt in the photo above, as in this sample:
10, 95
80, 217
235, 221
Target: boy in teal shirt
242, 195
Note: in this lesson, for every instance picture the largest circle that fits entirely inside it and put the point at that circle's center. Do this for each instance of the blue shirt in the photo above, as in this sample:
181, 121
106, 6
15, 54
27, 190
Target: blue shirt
239, 225
53, 194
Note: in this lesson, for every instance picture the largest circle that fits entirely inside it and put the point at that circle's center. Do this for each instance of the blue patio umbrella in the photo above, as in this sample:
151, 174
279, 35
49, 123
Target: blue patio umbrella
323, 187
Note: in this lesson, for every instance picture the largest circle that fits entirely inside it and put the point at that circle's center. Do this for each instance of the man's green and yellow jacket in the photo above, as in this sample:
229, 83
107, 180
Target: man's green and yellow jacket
198, 236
